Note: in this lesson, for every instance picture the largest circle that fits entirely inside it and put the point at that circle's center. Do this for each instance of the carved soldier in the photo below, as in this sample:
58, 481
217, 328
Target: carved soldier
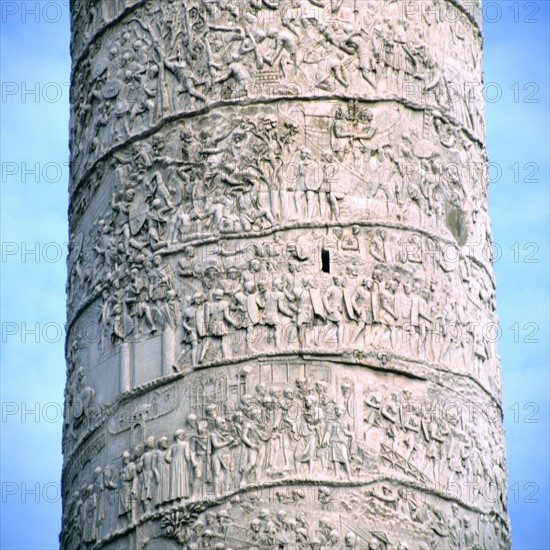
333, 300
341, 135
339, 437
222, 468
309, 307
363, 308
129, 488
277, 311
194, 324
219, 321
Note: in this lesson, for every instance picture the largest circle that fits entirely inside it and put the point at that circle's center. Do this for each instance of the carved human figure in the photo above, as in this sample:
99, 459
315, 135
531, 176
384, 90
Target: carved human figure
99, 495
163, 469
388, 318
254, 438
272, 418
339, 438
129, 489
185, 78
341, 135
309, 307
455, 528
222, 468
435, 439
277, 311
350, 541
150, 474
181, 460
194, 322
304, 182
89, 511
81, 398
219, 321
248, 305
329, 191
333, 300
110, 498
290, 415
199, 445
309, 433
363, 308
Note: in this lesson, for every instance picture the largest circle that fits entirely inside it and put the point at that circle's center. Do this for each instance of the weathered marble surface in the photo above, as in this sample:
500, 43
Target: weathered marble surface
281, 307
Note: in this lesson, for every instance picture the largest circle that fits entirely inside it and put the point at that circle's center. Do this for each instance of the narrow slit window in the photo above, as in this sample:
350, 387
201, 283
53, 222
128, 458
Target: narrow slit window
325, 261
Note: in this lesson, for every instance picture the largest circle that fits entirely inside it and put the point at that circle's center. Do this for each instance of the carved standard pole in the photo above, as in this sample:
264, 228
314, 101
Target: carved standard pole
280, 298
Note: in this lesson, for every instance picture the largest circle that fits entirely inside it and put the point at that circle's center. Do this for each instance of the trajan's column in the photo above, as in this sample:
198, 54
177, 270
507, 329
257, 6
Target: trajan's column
281, 311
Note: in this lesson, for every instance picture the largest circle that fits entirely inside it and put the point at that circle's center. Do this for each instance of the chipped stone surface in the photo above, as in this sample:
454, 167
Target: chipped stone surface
281, 307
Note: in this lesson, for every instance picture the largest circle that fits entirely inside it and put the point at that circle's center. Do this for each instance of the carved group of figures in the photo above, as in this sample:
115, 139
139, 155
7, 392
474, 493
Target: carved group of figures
435, 442
254, 523
353, 289
232, 173
383, 307
144, 69
277, 527
298, 431
80, 408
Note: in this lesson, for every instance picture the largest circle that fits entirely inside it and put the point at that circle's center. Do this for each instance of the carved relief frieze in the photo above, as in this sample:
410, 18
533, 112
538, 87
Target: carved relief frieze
141, 72
261, 424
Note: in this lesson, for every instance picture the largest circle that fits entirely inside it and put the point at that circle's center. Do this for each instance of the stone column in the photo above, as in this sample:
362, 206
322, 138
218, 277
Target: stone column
280, 274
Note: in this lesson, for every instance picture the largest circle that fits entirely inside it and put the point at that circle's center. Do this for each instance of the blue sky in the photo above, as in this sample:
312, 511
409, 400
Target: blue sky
35, 67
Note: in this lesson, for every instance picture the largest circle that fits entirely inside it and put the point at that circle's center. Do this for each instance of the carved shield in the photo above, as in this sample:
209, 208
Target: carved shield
348, 303
302, 249
138, 214
111, 89
375, 306
200, 320
317, 302
252, 309
124, 326
313, 178
99, 68
340, 185
78, 407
